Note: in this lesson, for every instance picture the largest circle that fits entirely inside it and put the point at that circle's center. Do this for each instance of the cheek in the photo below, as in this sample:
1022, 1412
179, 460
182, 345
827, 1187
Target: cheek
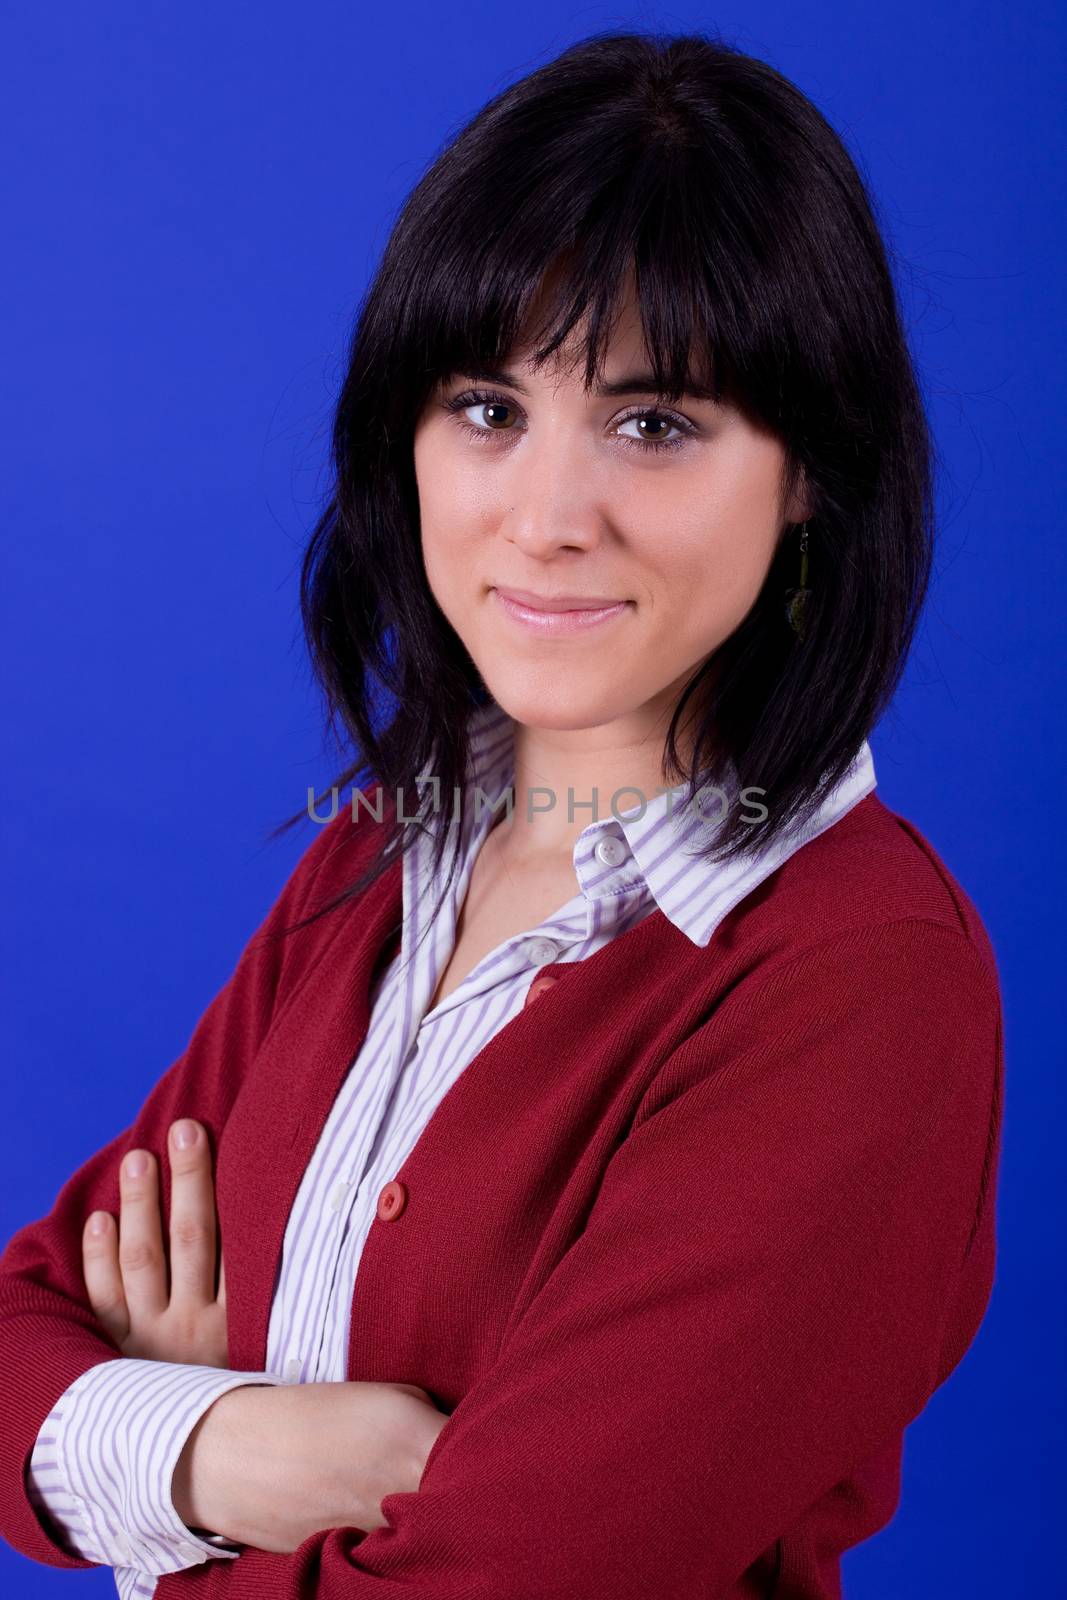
442, 521
450, 567
452, 508
712, 556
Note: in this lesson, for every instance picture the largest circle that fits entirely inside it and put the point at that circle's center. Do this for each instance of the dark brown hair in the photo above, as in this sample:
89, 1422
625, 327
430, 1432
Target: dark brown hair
753, 241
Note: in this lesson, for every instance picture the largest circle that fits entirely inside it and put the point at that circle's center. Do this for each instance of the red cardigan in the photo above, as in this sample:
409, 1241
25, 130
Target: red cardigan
683, 1250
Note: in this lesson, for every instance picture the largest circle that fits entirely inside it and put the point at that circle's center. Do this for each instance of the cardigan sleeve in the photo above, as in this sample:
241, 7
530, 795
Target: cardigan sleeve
49, 1335
765, 1293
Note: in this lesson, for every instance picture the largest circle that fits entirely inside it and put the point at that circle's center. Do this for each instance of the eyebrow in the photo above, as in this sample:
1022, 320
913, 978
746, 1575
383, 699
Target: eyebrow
632, 383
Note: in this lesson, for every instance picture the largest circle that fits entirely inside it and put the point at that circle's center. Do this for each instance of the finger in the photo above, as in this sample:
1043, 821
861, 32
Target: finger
141, 1259
222, 1281
192, 1216
103, 1280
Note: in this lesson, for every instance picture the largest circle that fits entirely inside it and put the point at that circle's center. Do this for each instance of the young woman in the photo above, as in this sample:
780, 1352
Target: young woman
603, 1126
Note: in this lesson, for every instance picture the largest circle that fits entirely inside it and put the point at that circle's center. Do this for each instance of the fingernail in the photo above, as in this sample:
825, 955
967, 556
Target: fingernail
136, 1164
184, 1134
98, 1222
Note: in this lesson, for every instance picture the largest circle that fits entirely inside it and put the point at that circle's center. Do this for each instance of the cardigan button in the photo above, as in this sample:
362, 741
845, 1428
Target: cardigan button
392, 1201
539, 986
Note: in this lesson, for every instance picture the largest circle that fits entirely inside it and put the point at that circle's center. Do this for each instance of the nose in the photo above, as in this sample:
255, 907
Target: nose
552, 499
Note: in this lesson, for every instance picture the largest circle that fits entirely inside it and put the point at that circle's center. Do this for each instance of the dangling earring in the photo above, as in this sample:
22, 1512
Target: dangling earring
796, 599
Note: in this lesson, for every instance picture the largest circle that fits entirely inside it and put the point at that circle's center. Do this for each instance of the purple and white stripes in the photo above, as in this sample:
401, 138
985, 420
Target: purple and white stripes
102, 1464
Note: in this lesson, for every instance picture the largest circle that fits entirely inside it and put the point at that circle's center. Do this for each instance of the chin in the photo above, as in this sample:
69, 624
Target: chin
549, 701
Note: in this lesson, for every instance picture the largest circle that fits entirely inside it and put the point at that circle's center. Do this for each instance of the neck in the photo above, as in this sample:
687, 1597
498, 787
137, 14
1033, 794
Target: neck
566, 778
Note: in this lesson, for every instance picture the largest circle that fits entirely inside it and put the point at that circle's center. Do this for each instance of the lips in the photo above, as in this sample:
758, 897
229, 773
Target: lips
557, 616
563, 602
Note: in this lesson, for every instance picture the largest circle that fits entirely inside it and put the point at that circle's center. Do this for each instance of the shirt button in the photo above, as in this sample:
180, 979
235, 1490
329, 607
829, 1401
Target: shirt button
611, 851
543, 982
392, 1201
540, 951
292, 1370
337, 1198
121, 1546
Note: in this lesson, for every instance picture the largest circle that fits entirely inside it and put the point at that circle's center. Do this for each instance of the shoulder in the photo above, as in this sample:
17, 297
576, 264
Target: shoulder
870, 872
860, 970
852, 994
314, 902
346, 844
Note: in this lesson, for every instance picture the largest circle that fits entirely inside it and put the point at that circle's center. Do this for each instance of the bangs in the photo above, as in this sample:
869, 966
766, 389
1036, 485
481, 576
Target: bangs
538, 255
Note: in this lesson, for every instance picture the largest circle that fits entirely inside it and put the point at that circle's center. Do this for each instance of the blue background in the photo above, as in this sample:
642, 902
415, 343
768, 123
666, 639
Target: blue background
194, 197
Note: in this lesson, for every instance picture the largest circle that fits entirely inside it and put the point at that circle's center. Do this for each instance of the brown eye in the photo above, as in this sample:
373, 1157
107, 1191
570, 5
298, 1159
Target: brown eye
480, 413
496, 414
653, 428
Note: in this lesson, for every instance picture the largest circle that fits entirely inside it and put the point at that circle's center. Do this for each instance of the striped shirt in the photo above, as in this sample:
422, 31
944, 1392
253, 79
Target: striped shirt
102, 1464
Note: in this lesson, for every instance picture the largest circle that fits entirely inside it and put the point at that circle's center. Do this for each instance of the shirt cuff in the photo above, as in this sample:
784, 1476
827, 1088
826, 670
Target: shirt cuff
103, 1463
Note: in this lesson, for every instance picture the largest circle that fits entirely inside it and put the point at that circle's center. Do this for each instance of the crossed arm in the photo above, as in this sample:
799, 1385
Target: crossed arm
787, 1254
260, 1465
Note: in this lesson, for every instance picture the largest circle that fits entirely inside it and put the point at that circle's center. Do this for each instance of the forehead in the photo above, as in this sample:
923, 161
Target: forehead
623, 346
550, 300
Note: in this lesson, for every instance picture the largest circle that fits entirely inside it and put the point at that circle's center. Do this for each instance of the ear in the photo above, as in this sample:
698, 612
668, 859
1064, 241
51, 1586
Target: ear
801, 504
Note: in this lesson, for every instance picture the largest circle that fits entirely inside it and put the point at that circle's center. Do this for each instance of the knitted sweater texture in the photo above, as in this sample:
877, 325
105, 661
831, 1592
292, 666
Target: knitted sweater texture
682, 1251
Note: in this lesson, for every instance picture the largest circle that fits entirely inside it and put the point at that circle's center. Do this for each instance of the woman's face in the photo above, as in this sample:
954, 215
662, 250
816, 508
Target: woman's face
534, 485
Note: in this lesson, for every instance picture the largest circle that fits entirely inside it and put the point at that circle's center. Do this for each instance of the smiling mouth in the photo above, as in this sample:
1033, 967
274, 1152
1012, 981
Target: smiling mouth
568, 616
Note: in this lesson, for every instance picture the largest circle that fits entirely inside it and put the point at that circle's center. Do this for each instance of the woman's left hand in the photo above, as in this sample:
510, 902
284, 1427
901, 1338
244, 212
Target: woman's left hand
125, 1266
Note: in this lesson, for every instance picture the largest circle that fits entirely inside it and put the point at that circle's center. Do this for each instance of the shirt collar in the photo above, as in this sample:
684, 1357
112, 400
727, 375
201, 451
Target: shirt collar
663, 840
